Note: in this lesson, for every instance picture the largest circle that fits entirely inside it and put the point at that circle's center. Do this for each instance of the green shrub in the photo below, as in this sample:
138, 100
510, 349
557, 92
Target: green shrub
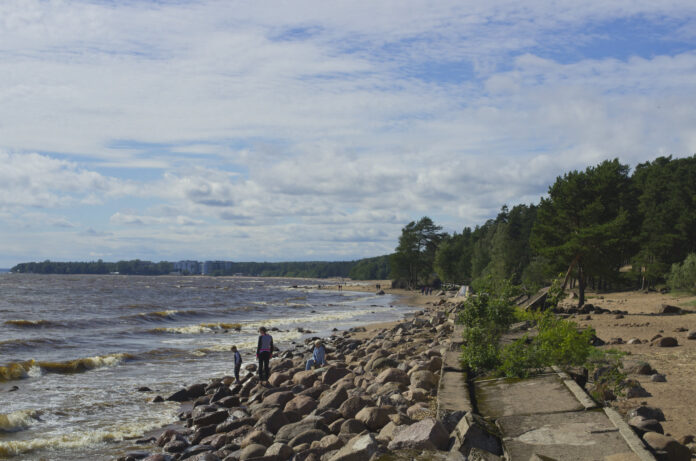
683, 276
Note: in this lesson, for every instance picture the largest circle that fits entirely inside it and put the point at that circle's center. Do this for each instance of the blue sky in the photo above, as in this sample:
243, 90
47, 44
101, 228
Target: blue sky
313, 130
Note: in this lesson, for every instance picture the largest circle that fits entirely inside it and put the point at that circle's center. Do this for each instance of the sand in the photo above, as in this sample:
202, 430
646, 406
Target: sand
676, 396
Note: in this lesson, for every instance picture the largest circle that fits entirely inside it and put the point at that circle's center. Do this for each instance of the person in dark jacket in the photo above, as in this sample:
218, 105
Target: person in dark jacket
264, 351
237, 363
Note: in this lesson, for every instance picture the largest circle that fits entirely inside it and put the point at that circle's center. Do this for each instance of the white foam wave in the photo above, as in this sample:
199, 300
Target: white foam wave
81, 439
343, 315
18, 420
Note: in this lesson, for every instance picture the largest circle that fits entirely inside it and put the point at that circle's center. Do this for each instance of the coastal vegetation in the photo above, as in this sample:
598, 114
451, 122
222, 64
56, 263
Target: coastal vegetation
602, 227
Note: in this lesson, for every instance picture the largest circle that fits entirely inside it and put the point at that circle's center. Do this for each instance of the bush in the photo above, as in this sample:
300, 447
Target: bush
683, 276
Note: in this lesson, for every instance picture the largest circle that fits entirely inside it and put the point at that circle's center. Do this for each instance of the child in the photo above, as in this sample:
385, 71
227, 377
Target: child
264, 350
318, 356
237, 363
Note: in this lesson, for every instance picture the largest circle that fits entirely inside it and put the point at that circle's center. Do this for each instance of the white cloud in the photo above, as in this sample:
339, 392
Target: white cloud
319, 128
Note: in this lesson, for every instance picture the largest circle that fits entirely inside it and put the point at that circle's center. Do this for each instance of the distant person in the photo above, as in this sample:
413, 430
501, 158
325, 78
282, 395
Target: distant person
318, 356
237, 363
264, 350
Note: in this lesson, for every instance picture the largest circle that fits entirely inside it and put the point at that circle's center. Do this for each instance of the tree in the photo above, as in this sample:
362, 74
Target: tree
585, 224
414, 256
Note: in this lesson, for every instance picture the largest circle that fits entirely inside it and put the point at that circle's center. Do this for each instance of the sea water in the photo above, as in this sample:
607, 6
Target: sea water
74, 349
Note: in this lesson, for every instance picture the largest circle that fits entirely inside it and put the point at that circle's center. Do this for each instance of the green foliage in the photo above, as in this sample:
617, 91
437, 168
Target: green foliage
683, 276
555, 293
415, 254
486, 316
370, 269
607, 369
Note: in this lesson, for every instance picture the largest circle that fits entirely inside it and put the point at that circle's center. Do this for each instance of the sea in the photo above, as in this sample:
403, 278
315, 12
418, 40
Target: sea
75, 349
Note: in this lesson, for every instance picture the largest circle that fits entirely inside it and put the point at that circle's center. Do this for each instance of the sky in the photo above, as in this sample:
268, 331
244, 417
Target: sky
314, 130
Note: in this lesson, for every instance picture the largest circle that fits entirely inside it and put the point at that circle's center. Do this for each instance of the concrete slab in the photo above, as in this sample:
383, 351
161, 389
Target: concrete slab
451, 360
453, 395
541, 394
581, 435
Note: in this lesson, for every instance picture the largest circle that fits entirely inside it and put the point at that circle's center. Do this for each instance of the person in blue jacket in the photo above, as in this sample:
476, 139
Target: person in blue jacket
264, 351
318, 356
237, 363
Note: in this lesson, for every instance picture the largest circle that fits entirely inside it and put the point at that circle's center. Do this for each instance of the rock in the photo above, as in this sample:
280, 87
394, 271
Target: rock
234, 424
691, 334
374, 418
393, 375
472, 431
306, 378
417, 410
647, 412
196, 390
667, 309
211, 418
196, 449
179, 396
158, 457
666, 447
278, 399
424, 380
350, 407
665, 341
383, 362
326, 444
289, 431
388, 432
333, 374
658, 378
428, 434
332, 399
359, 448
280, 451
257, 437
273, 420
229, 401
278, 378
176, 446
352, 426
634, 389
201, 433
642, 368
642, 425
301, 404
252, 451
308, 436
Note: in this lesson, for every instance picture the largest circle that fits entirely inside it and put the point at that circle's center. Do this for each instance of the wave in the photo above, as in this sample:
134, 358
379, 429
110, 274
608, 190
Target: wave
18, 344
21, 370
18, 420
82, 439
32, 323
198, 329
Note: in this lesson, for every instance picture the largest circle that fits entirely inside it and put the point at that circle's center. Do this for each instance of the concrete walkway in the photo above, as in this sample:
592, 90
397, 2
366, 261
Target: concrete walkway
548, 415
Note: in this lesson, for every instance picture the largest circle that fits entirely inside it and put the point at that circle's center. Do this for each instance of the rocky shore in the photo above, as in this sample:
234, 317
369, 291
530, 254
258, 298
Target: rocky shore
376, 395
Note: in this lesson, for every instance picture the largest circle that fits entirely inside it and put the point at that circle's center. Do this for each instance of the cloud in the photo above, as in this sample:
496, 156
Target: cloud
321, 129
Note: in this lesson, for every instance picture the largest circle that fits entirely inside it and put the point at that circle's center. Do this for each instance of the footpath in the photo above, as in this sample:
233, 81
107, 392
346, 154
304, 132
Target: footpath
547, 417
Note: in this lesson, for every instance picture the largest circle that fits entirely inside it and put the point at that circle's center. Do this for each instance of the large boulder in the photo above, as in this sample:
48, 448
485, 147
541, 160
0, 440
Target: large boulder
388, 432
252, 451
333, 374
308, 436
289, 431
666, 447
211, 418
350, 407
278, 378
305, 378
301, 404
278, 399
392, 375
424, 380
472, 431
647, 412
258, 437
332, 398
428, 434
272, 420
374, 418
280, 451
665, 341
359, 448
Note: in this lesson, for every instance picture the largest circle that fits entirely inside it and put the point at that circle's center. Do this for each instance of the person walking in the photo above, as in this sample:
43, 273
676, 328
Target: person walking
237, 363
264, 350
318, 356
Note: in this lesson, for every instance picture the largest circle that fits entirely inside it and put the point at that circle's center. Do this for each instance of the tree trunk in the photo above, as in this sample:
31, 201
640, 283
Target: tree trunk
570, 269
581, 286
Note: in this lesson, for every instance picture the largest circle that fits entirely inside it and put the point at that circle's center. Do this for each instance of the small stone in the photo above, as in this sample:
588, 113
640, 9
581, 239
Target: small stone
666, 341
658, 378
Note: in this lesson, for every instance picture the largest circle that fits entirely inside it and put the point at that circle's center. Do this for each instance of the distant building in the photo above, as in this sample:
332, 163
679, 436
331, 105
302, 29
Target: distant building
187, 267
210, 267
